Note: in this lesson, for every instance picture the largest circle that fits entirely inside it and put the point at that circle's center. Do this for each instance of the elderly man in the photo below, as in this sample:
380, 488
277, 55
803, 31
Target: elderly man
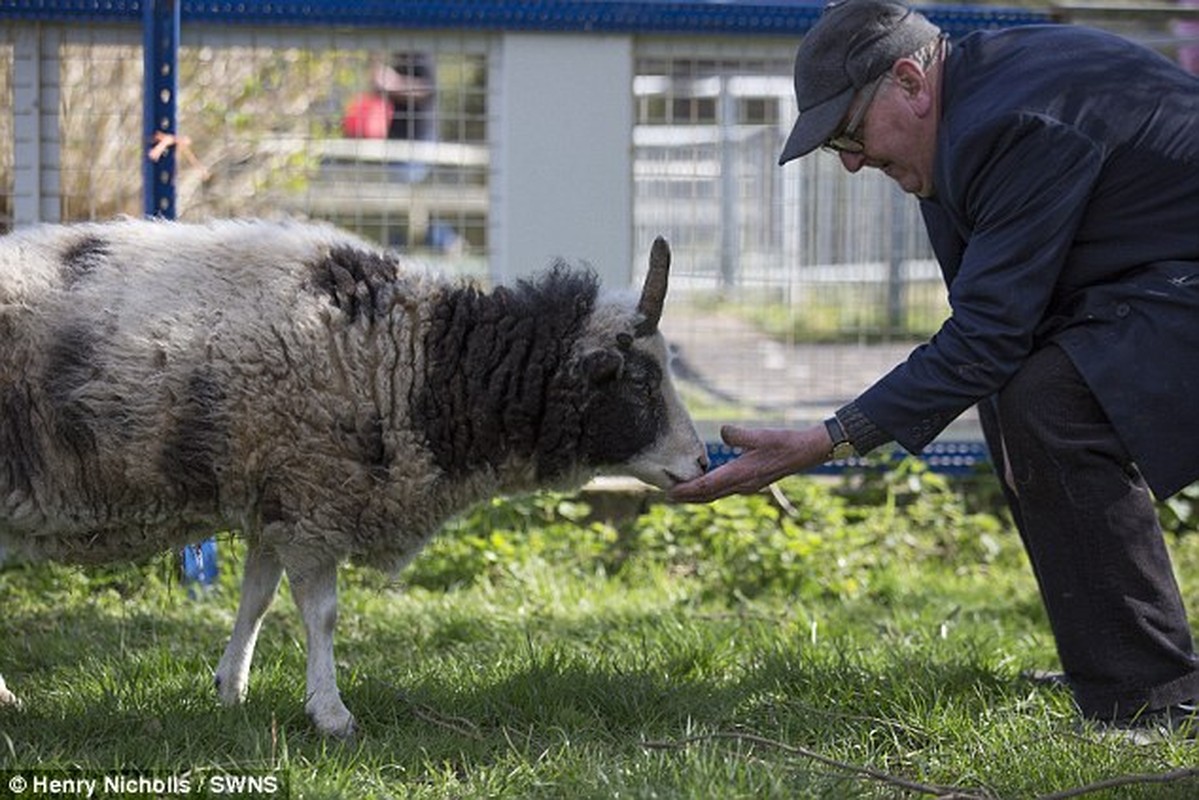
1057, 169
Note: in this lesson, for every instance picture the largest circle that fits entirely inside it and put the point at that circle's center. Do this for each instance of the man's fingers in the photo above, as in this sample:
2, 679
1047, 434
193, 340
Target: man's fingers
767, 454
745, 438
755, 438
731, 478
731, 435
704, 488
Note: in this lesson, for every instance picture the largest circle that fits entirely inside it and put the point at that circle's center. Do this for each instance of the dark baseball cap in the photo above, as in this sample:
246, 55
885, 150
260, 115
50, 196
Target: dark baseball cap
853, 42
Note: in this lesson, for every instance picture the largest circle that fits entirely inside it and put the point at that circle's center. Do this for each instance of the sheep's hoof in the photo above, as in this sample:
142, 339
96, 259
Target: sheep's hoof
7, 698
229, 691
346, 733
336, 723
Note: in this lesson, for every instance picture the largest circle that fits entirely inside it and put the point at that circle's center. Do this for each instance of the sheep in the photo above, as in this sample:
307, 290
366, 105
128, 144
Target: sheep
322, 397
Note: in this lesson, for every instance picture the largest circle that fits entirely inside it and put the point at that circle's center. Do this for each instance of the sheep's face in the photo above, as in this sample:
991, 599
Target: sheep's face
633, 421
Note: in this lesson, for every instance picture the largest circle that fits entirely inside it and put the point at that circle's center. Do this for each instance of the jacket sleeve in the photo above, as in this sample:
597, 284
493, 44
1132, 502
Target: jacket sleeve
1017, 188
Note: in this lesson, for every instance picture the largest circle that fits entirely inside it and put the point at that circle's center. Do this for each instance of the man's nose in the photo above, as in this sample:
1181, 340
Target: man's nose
852, 161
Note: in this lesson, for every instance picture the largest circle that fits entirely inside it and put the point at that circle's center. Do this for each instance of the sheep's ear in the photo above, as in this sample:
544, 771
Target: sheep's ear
653, 294
602, 366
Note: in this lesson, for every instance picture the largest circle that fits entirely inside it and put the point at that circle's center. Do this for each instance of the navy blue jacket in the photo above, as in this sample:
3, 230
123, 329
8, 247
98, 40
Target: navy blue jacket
1067, 211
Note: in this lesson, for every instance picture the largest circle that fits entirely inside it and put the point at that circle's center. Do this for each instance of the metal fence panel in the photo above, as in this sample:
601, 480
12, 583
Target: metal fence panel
792, 288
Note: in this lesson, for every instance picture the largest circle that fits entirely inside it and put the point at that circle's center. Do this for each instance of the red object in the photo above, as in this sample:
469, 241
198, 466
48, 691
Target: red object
367, 117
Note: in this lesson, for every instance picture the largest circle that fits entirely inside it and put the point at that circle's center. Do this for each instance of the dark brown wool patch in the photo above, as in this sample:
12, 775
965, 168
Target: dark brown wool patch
20, 451
70, 364
498, 383
196, 447
270, 505
81, 259
371, 446
358, 282
363, 436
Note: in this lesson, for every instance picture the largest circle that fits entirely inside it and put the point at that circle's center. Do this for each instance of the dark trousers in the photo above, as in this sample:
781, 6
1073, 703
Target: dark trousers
1091, 530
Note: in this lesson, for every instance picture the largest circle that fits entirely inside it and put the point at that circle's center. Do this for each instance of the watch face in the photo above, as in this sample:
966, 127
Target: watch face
842, 451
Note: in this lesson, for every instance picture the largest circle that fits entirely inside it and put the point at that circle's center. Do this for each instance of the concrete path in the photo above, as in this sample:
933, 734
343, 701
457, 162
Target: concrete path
730, 363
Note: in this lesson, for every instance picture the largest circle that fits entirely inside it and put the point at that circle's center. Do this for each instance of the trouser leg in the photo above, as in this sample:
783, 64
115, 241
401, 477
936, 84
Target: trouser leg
1090, 526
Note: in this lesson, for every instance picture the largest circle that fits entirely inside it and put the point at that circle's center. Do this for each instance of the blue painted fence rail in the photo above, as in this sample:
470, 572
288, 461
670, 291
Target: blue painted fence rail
947, 458
725, 17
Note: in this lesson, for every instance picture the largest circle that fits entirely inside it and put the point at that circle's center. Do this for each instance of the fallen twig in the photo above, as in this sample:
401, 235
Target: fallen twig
1124, 780
458, 725
948, 792
462, 727
936, 790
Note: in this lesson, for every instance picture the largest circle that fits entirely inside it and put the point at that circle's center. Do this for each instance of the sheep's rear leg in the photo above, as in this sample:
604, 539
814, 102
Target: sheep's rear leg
259, 583
315, 592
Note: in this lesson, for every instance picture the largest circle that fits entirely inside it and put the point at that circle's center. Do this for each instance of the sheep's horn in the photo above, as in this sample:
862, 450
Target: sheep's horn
653, 294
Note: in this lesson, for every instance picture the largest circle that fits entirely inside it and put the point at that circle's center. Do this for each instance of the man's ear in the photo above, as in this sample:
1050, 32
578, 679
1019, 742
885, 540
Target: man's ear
915, 84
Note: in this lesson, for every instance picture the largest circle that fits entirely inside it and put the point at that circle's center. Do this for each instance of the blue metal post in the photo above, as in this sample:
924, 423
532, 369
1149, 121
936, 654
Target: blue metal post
160, 20
160, 48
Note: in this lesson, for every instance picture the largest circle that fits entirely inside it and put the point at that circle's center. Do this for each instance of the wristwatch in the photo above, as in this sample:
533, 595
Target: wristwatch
842, 449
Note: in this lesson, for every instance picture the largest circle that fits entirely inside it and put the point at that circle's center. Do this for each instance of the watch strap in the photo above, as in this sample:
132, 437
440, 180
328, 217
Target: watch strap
841, 448
836, 431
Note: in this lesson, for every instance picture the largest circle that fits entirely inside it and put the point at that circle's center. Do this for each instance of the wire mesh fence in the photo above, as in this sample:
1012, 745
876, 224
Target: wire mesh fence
792, 289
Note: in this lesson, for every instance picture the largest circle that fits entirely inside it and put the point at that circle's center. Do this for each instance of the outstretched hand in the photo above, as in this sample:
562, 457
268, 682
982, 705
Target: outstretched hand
768, 454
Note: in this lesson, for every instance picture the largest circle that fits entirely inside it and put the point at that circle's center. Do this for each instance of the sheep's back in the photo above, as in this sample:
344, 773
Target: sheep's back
162, 379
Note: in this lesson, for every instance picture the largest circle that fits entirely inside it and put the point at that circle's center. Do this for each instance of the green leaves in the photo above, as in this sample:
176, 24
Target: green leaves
495, 537
807, 538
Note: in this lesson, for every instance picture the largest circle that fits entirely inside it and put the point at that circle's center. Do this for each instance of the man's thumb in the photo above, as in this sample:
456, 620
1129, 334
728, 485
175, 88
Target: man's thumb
735, 436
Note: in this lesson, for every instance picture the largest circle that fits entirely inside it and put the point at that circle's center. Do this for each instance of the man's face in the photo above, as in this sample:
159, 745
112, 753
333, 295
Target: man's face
898, 131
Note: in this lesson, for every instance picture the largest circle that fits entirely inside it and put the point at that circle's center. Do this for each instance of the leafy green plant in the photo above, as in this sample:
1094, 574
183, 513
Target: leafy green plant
807, 538
499, 535
749, 545
937, 514
1180, 513
810, 539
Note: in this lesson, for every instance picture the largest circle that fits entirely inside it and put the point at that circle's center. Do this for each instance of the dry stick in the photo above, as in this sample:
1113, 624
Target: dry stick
458, 725
1125, 780
933, 789
915, 786
462, 727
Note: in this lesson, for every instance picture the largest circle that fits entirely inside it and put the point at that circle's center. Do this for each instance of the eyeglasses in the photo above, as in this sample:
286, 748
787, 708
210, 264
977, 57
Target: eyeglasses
849, 140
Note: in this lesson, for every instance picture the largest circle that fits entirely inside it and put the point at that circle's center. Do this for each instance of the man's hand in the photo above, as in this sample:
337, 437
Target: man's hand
768, 454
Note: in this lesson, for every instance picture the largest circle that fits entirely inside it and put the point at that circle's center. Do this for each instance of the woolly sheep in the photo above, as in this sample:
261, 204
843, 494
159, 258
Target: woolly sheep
160, 381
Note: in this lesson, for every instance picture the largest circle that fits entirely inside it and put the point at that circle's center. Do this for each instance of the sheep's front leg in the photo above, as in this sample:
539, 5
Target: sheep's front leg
315, 593
259, 583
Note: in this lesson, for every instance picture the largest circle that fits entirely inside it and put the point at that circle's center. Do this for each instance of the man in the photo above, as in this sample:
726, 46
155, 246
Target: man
408, 83
1057, 170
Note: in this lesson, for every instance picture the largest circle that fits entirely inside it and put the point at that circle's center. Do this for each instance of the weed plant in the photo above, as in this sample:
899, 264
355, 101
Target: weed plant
826, 640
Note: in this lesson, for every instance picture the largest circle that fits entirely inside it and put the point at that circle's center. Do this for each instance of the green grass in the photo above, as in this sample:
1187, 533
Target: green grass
535, 653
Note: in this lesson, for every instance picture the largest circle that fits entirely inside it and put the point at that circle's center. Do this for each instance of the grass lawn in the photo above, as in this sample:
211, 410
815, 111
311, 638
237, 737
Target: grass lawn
793, 649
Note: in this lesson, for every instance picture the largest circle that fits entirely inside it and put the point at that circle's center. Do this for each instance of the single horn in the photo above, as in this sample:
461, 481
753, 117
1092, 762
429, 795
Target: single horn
653, 294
